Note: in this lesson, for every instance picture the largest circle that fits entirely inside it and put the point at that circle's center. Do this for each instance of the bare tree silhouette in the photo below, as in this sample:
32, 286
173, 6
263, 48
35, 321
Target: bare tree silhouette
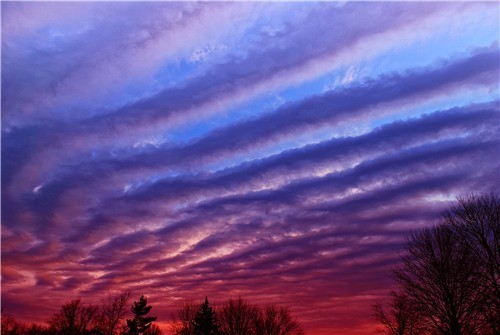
476, 220
277, 320
74, 318
112, 312
182, 319
238, 317
11, 326
440, 278
400, 317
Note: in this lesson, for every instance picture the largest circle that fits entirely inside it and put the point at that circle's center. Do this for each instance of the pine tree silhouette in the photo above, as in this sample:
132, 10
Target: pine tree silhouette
140, 323
205, 322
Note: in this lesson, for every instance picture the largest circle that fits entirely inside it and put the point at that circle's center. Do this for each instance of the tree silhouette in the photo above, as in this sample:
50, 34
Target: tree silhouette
74, 318
238, 317
476, 220
235, 317
11, 326
140, 323
400, 317
277, 320
440, 278
112, 312
183, 319
205, 322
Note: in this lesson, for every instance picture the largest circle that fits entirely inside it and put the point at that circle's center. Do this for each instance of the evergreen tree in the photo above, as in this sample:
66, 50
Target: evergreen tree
205, 322
140, 323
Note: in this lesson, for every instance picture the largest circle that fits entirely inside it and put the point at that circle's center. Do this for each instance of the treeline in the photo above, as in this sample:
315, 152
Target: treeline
77, 318
232, 317
449, 277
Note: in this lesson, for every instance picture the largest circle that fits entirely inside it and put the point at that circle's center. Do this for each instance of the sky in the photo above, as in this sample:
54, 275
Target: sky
278, 151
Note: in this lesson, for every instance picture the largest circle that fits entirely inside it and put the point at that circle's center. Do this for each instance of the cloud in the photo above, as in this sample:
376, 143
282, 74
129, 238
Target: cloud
216, 85
352, 103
